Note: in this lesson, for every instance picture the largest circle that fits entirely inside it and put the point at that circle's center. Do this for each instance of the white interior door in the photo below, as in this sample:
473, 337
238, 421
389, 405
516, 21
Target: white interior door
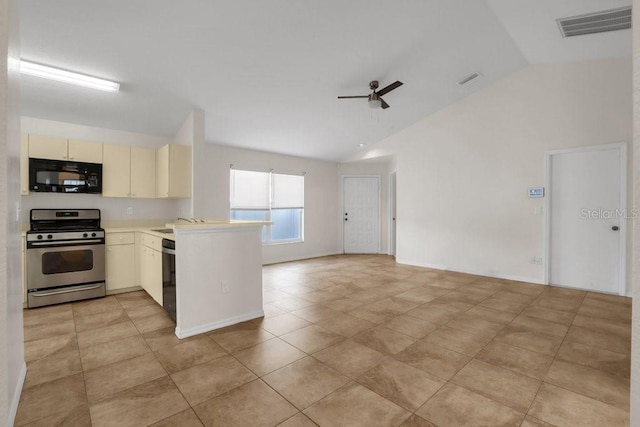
361, 224
392, 211
587, 218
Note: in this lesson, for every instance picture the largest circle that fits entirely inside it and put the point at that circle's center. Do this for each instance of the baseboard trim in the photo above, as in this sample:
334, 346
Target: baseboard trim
298, 258
475, 272
124, 290
13, 410
189, 332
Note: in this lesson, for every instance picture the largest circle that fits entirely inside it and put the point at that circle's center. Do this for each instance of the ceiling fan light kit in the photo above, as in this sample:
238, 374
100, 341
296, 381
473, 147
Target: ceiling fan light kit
374, 99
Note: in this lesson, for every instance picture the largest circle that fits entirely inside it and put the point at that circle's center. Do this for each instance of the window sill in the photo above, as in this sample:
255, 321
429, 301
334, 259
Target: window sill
283, 243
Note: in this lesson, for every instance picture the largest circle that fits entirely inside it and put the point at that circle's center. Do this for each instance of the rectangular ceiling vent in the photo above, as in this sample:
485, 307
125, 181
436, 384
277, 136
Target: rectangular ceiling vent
592, 23
469, 78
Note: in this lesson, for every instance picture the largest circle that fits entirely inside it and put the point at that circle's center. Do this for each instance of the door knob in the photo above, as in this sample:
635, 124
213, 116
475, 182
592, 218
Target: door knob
346, 219
615, 228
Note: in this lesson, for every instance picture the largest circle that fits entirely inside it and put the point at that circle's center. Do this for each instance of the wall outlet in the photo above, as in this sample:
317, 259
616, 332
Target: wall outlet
532, 260
129, 210
224, 286
535, 260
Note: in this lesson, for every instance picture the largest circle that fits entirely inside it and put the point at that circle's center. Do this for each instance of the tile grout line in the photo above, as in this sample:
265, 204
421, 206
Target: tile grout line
555, 357
388, 279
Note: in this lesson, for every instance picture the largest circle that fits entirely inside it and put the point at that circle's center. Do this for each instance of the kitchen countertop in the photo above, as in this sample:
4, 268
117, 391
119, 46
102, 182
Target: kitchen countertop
213, 225
147, 230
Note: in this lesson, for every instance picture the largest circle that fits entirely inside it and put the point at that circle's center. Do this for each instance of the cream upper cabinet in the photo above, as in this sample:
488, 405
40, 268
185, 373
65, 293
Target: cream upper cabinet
85, 151
116, 170
173, 172
143, 172
128, 171
49, 147
24, 164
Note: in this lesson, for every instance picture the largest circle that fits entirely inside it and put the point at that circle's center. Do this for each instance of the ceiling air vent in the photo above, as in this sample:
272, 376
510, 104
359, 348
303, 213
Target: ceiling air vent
469, 78
592, 23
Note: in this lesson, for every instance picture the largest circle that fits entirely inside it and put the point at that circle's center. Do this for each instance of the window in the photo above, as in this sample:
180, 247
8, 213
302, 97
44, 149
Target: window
267, 196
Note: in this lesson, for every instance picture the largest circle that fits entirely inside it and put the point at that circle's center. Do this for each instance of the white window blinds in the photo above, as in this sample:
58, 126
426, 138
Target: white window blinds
249, 190
288, 191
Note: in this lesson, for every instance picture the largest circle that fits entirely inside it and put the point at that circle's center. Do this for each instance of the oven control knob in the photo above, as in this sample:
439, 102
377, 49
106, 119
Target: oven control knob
39, 236
93, 234
85, 235
50, 236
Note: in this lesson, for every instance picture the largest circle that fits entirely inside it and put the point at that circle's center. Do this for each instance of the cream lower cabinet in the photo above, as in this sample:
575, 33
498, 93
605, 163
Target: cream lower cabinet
121, 265
150, 267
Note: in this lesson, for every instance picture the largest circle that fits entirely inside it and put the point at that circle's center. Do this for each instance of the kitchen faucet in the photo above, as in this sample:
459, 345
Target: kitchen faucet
185, 219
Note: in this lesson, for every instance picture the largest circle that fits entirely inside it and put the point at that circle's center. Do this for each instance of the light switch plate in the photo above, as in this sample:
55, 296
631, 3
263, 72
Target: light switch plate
536, 192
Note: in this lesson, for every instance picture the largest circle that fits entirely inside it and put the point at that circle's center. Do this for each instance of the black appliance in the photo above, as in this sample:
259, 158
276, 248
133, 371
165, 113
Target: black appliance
169, 277
65, 256
58, 176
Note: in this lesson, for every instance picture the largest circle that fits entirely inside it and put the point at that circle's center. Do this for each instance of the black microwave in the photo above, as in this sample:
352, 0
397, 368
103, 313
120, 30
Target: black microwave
58, 176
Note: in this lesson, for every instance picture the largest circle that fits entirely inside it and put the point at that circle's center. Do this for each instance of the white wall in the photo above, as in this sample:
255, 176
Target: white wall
192, 133
112, 208
463, 172
372, 168
12, 366
322, 210
635, 326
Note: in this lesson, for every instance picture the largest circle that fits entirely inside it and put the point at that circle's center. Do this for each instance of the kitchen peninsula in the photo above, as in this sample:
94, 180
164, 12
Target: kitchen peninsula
218, 274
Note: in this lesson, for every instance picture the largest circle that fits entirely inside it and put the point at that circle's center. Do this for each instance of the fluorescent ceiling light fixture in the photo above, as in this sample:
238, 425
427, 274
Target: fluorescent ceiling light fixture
70, 77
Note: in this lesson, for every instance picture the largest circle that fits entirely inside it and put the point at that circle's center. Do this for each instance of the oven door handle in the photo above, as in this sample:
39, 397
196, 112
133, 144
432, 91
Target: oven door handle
65, 243
64, 291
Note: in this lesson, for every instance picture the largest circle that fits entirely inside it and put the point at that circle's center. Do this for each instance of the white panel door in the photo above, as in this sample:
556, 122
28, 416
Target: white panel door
392, 211
361, 228
586, 219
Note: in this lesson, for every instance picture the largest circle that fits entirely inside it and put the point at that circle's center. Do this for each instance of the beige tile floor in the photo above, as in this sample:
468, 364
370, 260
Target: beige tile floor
346, 341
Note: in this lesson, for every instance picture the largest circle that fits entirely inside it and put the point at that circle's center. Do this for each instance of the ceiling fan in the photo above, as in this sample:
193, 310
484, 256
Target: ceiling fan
375, 100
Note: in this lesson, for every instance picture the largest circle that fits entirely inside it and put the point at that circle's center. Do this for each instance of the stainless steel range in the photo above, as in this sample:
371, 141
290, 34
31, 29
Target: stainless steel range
65, 256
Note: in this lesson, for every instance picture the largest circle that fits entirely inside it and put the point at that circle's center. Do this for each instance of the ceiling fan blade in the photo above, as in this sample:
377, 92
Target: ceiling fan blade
384, 104
389, 88
356, 96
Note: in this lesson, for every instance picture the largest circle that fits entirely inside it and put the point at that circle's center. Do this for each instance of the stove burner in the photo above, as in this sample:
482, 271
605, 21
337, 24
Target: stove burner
59, 225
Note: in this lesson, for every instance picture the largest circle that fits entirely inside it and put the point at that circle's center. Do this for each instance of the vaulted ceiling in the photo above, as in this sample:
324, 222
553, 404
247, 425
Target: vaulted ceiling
267, 74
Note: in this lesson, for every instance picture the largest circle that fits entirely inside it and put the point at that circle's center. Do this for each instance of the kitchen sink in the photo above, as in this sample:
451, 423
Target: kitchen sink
164, 230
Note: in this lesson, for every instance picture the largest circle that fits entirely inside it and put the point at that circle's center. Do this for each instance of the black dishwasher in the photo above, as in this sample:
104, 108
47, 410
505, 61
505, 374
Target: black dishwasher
169, 277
